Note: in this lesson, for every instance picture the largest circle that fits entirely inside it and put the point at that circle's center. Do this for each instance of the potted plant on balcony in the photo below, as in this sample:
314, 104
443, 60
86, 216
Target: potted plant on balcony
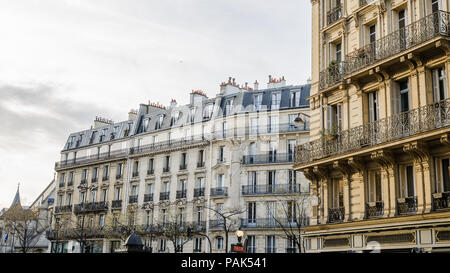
333, 67
330, 133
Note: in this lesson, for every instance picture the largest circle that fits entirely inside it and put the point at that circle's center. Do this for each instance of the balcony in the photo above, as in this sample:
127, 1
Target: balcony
273, 223
118, 176
181, 194
270, 158
336, 215
374, 209
407, 205
272, 189
412, 122
148, 197
219, 192
62, 209
423, 30
166, 169
105, 178
216, 224
199, 225
135, 174
133, 199
70, 183
164, 196
200, 164
150, 172
260, 130
159, 146
199, 192
83, 181
91, 207
61, 184
91, 159
334, 14
441, 201
94, 180
183, 167
116, 204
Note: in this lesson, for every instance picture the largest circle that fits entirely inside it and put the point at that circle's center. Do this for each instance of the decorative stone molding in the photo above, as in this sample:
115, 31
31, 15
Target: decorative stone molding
384, 158
321, 172
445, 139
343, 168
148, 206
357, 164
418, 151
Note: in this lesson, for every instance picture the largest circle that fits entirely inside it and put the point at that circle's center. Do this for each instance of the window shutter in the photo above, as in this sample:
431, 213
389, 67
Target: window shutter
329, 118
371, 108
339, 116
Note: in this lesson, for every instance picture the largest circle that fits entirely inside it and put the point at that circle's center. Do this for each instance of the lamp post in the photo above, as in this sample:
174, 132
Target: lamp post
238, 248
83, 245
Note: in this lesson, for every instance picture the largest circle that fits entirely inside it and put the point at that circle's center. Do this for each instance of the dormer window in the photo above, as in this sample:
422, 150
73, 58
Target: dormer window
127, 130
295, 98
192, 115
80, 138
175, 117
276, 99
159, 122
258, 101
145, 125
228, 106
102, 136
207, 113
94, 134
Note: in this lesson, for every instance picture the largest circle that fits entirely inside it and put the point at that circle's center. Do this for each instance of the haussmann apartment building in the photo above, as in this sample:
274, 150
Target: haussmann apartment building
379, 150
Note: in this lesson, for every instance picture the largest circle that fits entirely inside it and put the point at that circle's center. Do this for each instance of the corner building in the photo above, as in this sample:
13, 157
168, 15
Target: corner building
378, 159
234, 151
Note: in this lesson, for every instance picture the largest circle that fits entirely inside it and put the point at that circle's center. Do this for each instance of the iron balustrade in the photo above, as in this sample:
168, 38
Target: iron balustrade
94, 179
220, 191
148, 197
181, 194
248, 223
291, 250
334, 14
199, 225
268, 158
200, 164
118, 176
90, 207
70, 183
336, 215
105, 178
407, 205
150, 172
133, 199
260, 130
441, 201
83, 181
199, 192
116, 204
61, 209
91, 159
167, 145
135, 174
416, 33
375, 209
412, 122
216, 224
164, 196
166, 169
272, 189
183, 167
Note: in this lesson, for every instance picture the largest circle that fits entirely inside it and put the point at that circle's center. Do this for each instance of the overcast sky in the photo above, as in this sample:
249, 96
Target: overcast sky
63, 62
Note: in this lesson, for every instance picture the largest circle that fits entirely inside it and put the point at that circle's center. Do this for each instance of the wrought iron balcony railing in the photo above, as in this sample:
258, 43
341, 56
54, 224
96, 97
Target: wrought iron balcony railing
61, 209
416, 33
441, 201
199, 225
133, 199
216, 192
150, 172
105, 178
362, 3
374, 209
115, 204
419, 120
216, 224
148, 197
167, 145
273, 222
90, 207
94, 179
61, 184
199, 192
166, 169
70, 183
336, 215
272, 189
268, 158
200, 164
334, 14
183, 167
407, 205
291, 250
181, 194
91, 159
260, 130
135, 174
118, 176
164, 196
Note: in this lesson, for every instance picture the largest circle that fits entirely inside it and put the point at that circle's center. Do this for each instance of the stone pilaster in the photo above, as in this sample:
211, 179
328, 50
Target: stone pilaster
386, 161
358, 178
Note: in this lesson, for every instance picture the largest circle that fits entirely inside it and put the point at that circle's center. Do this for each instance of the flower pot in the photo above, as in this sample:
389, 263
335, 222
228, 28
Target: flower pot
330, 137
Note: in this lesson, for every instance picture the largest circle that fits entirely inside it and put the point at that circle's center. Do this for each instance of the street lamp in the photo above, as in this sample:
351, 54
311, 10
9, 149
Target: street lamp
239, 235
299, 120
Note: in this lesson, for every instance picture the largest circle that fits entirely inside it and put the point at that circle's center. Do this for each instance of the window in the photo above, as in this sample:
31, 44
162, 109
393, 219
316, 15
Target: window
82, 197
337, 193
253, 126
403, 96
207, 112
163, 216
291, 149
271, 180
292, 211
102, 221
270, 244
258, 101
435, 6
167, 164
373, 107
105, 172
192, 115
69, 199
228, 106
180, 217
273, 146
291, 245
444, 173
295, 98
334, 118
119, 170
104, 195
273, 124
251, 244
224, 129
200, 182
375, 190
199, 214
407, 187
220, 181
251, 212
252, 181
219, 242
292, 177
62, 180
183, 161
145, 125
175, 117
92, 139
372, 34
150, 166
60, 200
222, 154
162, 245
117, 194
252, 151
84, 176
93, 196
150, 188
338, 52
166, 187
159, 122
200, 158
439, 84
276, 99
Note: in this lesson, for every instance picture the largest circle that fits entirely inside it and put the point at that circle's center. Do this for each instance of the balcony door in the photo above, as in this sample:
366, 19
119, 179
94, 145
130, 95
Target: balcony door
407, 184
273, 146
291, 149
401, 104
444, 174
252, 182
402, 21
271, 181
251, 213
270, 209
374, 188
337, 193
334, 119
252, 152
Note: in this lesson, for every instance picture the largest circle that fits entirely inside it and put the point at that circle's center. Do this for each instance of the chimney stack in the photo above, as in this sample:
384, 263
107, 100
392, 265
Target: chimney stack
132, 114
173, 103
256, 85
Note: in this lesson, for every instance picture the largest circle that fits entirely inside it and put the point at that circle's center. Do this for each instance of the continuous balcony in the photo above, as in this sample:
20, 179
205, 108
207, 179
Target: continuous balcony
164, 145
407, 205
247, 131
410, 123
219, 192
374, 209
62, 209
90, 207
441, 201
273, 223
404, 39
272, 189
269, 158
216, 224
91, 159
336, 215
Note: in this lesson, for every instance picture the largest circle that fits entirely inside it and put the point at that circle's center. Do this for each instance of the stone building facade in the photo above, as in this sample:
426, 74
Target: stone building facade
231, 152
378, 159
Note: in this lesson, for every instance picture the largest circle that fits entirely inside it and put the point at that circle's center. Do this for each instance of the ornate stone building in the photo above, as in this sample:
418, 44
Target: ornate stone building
378, 159
230, 153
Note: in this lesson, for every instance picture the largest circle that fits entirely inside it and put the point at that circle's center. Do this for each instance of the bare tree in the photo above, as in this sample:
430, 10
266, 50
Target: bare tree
228, 220
24, 225
291, 216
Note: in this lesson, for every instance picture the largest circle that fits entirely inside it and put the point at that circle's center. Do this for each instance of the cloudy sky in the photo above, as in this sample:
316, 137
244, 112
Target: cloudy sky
63, 62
